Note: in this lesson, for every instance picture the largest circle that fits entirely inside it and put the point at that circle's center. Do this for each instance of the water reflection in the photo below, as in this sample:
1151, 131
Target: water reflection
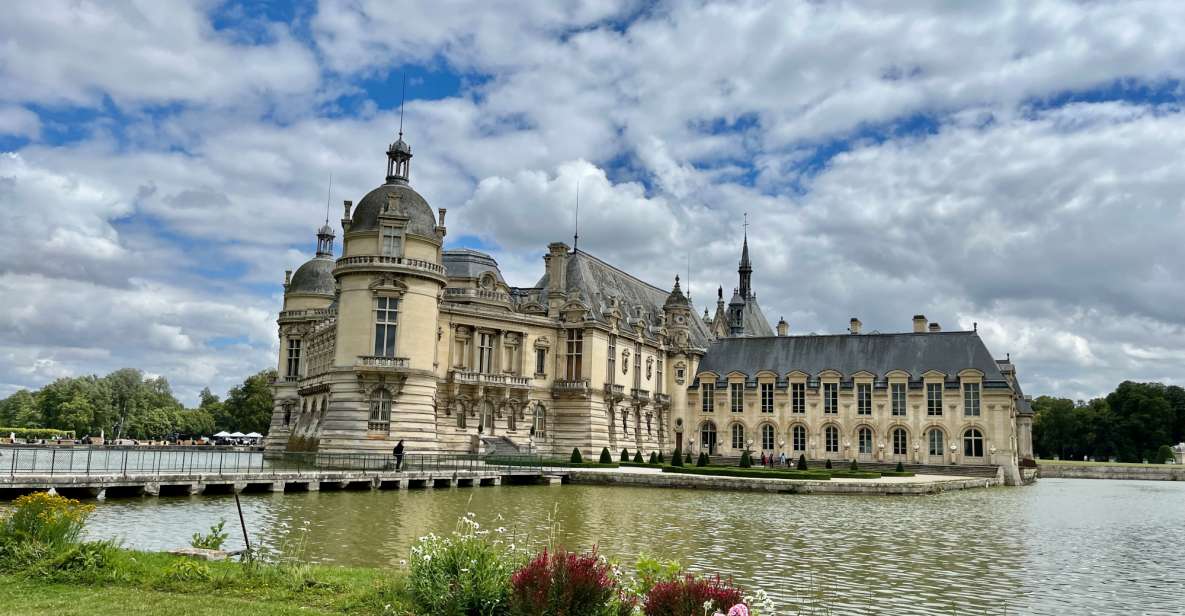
1063, 546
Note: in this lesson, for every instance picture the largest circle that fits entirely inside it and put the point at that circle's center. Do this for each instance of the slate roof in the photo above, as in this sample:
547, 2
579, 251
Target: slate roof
754, 320
599, 282
469, 263
315, 276
407, 203
948, 352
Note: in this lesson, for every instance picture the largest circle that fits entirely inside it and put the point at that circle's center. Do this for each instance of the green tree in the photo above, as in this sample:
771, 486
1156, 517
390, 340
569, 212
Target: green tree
1143, 419
248, 407
19, 411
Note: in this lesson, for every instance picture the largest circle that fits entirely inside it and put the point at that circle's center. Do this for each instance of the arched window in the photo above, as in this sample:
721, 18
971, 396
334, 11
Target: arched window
864, 438
900, 442
462, 411
935, 438
767, 437
738, 436
539, 428
380, 411
831, 439
798, 438
487, 418
973, 443
707, 435
625, 422
512, 417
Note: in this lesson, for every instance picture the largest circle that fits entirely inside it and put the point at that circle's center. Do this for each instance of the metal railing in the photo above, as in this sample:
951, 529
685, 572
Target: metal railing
173, 461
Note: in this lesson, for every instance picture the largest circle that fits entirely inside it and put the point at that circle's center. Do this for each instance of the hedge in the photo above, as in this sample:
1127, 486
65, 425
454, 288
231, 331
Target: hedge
855, 475
896, 474
732, 471
46, 433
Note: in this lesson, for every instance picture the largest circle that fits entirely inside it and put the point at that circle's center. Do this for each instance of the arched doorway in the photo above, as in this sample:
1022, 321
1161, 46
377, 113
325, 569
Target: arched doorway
707, 438
487, 418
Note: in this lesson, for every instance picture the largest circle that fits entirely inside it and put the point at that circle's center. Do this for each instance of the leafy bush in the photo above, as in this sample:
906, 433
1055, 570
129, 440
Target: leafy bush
212, 541
691, 595
47, 519
732, 471
625, 455
828, 464
653, 458
1163, 455
565, 583
187, 570
37, 433
703, 459
900, 467
90, 561
461, 575
649, 571
576, 457
802, 462
687, 458
746, 460
605, 457
856, 475
677, 457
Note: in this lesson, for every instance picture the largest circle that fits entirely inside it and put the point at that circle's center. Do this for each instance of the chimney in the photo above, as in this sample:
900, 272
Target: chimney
919, 323
783, 327
556, 261
935, 328
346, 205
287, 278
854, 327
442, 213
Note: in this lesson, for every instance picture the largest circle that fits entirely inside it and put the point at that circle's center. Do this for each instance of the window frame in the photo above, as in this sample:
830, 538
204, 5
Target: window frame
798, 436
972, 400
830, 439
391, 232
769, 437
707, 394
798, 398
574, 354
385, 314
934, 399
930, 441
862, 446
541, 362
379, 419
900, 448
767, 397
864, 398
973, 440
830, 398
736, 397
898, 399
738, 431
293, 363
485, 352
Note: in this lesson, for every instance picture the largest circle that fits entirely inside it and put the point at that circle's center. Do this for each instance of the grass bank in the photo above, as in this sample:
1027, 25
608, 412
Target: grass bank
123, 582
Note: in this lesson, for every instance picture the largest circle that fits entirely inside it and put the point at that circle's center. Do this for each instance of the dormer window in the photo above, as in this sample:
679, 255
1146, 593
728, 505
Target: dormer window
392, 241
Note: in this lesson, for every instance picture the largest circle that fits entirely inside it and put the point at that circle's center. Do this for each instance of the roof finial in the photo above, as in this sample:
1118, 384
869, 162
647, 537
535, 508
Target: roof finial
328, 198
576, 235
402, 98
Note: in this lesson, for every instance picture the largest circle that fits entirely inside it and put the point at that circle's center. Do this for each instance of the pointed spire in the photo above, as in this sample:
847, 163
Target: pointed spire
745, 271
399, 153
325, 233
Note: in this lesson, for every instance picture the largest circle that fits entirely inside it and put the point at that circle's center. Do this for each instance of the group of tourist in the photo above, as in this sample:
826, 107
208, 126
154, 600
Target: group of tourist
772, 460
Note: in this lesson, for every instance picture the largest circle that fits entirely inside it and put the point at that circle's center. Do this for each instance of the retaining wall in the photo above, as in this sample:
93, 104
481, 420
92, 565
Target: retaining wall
785, 486
1159, 472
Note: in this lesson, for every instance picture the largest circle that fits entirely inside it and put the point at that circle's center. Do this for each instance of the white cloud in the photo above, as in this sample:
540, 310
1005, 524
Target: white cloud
19, 122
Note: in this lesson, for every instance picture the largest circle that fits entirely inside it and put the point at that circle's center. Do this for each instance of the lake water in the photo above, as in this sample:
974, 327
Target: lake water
1058, 547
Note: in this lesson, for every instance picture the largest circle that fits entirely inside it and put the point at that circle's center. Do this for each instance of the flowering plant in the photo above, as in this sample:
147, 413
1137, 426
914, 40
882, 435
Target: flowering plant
687, 595
462, 574
563, 583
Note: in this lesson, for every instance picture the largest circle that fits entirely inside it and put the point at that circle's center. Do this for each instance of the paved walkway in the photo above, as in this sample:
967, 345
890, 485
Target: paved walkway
654, 477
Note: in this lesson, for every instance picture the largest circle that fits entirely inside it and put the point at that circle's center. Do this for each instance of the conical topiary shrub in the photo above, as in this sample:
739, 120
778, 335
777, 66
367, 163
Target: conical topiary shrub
677, 457
625, 455
653, 458
900, 467
802, 462
854, 466
638, 457
828, 465
606, 457
661, 460
576, 457
687, 458
746, 459
703, 459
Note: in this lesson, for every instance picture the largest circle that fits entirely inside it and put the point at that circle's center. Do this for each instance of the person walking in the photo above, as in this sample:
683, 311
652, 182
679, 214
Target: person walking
398, 455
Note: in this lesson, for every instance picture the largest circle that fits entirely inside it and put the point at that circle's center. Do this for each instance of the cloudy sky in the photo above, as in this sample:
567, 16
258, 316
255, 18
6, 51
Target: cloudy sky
1012, 164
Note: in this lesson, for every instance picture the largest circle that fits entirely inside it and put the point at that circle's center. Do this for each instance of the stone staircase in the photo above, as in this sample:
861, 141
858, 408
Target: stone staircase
499, 444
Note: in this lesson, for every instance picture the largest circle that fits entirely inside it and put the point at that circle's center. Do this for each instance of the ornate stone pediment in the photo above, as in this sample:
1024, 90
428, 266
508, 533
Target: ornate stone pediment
389, 284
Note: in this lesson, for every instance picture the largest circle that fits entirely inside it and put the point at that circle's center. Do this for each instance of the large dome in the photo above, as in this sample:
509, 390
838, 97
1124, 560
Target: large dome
315, 277
407, 203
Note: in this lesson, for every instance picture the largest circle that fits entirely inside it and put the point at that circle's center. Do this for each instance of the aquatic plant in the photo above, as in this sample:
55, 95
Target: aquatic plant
212, 541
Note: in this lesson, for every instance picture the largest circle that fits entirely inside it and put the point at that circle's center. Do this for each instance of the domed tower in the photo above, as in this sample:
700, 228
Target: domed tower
677, 310
391, 279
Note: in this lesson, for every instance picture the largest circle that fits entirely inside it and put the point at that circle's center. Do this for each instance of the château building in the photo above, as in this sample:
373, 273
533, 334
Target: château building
398, 338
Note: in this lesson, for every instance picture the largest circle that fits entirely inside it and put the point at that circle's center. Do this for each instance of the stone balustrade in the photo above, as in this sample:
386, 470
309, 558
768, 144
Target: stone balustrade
375, 361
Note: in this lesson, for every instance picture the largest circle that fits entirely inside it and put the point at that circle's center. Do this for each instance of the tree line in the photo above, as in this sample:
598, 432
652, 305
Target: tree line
128, 404
1136, 422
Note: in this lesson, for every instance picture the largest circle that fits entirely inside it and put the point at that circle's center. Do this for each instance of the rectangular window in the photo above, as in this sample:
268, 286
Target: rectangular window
638, 365
707, 394
767, 399
799, 443
658, 379
934, 399
611, 365
573, 367
736, 397
830, 398
540, 361
386, 310
897, 398
485, 353
863, 398
293, 357
679, 374
391, 241
798, 398
971, 399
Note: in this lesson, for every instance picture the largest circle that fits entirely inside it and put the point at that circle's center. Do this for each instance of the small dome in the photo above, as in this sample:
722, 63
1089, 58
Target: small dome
407, 202
400, 146
325, 230
315, 277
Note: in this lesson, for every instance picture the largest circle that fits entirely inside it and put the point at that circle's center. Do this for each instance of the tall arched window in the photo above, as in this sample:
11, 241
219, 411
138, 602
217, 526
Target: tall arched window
864, 439
738, 436
462, 411
540, 426
798, 438
900, 442
707, 434
512, 417
935, 438
380, 411
831, 439
767, 437
973, 443
487, 418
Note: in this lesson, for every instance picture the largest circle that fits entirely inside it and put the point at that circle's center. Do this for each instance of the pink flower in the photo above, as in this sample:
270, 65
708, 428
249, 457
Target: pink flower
739, 610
